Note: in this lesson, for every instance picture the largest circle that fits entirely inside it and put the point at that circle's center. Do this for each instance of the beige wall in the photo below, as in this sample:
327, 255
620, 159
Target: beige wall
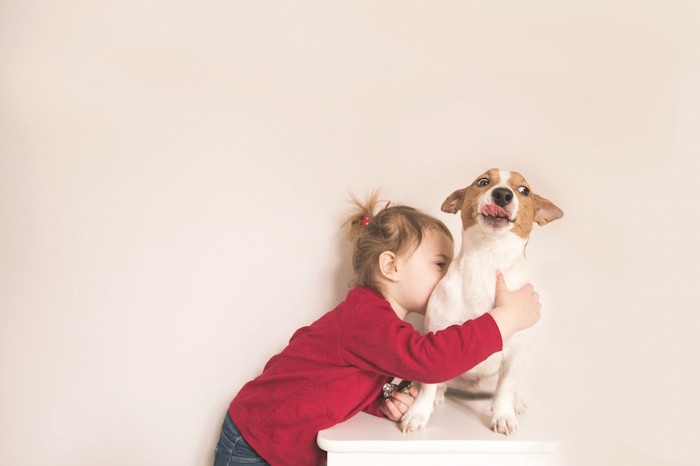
173, 176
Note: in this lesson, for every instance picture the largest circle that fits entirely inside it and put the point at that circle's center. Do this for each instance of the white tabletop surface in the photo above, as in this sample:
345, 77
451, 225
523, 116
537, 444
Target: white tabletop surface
459, 425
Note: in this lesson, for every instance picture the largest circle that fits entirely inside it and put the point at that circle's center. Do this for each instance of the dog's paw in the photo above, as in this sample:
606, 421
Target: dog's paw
440, 396
506, 425
520, 406
413, 422
417, 416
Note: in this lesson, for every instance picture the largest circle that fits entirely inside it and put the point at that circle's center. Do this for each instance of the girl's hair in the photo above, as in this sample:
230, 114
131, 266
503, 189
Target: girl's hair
398, 229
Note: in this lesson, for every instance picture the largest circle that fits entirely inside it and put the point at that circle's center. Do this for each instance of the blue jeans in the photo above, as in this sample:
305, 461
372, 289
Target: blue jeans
232, 448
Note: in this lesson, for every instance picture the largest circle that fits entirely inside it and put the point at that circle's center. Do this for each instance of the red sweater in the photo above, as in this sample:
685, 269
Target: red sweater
337, 366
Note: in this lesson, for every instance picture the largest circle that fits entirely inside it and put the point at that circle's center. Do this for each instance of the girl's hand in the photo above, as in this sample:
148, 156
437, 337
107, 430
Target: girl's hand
396, 406
515, 310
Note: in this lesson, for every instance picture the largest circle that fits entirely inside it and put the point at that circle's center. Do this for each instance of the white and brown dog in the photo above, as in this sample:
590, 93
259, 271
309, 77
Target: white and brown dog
498, 211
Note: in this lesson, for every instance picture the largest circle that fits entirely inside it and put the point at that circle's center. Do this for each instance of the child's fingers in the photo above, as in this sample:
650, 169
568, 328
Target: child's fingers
406, 399
500, 282
391, 410
403, 398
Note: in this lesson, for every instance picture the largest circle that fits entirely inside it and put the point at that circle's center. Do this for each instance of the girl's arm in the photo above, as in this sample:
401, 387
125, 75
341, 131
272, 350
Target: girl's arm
375, 408
376, 340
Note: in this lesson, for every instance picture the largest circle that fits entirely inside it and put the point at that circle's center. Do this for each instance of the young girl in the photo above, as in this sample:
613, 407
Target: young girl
337, 366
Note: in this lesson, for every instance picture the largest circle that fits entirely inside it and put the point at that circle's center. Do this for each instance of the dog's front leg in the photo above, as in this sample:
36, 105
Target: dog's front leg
420, 410
507, 403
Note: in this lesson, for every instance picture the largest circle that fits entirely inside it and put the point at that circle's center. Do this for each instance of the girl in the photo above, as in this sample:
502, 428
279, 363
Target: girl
337, 366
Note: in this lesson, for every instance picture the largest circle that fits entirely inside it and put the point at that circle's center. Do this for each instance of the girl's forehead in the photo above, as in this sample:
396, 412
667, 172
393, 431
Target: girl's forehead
438, 241
438, 235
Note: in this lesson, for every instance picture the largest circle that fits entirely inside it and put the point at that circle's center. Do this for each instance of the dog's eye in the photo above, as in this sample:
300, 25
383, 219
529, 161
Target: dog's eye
524, 191
483, 182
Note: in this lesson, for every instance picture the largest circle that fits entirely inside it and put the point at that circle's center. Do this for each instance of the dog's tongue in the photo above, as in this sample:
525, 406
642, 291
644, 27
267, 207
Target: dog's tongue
492, 210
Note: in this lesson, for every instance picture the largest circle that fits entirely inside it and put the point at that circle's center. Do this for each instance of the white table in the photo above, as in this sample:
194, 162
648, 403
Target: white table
457, 434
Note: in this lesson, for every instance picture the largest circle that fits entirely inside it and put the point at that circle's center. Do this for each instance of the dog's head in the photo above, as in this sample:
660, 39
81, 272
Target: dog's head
501, 201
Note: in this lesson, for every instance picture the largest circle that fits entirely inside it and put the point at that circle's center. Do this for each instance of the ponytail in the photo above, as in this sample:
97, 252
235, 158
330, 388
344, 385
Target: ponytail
361, 215
397, 229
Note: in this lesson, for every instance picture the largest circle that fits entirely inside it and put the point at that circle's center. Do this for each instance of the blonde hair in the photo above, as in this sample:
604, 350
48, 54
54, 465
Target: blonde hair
398, 229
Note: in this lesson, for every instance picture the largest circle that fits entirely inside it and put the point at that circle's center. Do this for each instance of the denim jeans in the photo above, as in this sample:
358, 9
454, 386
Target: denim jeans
232, 448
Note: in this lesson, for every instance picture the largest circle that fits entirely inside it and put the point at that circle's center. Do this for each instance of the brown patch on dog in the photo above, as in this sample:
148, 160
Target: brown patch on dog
467, 199
533, 208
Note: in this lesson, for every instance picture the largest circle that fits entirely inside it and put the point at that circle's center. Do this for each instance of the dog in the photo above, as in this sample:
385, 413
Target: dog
498, 211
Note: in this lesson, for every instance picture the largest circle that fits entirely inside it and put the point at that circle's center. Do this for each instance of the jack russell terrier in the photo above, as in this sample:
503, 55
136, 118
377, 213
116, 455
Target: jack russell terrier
498, 211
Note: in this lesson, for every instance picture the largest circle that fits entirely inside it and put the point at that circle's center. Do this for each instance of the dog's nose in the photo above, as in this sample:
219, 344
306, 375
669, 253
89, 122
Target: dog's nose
502, 196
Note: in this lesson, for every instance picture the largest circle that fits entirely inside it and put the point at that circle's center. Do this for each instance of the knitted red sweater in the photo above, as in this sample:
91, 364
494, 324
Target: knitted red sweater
337, 366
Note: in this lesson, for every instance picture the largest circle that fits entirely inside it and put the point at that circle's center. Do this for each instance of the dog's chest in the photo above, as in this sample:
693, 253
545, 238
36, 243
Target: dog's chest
468, 289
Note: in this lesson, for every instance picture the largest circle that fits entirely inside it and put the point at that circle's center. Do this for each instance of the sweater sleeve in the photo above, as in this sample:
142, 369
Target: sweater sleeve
376, 339
374, 407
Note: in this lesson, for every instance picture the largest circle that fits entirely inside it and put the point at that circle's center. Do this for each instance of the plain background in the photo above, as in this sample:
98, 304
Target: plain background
174, 174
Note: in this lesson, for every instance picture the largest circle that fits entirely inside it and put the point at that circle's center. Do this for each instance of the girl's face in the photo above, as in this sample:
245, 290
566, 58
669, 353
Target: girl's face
419, 271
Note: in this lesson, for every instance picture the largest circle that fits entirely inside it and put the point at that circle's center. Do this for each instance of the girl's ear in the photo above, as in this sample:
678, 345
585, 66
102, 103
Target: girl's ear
387, 266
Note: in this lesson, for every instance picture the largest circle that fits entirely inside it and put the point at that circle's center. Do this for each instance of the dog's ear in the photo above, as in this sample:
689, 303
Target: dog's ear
546, 211
453, 203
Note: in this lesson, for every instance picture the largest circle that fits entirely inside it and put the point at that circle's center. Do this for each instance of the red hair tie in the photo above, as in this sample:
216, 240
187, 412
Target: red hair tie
366, 219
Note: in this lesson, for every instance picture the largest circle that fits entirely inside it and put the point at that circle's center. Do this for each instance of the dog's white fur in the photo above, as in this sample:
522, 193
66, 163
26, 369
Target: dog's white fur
467, 291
